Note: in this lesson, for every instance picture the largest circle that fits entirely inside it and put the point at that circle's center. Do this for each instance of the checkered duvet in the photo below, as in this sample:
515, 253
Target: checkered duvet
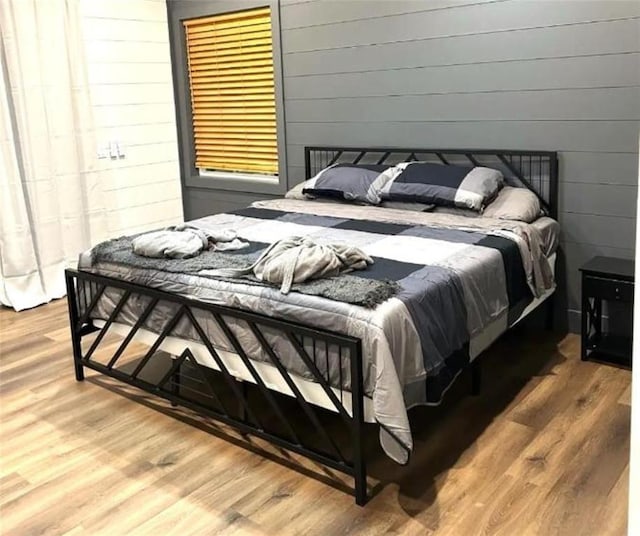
456, 276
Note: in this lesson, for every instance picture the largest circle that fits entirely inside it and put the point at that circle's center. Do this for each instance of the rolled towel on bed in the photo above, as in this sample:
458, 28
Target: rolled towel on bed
185, 241
298, 259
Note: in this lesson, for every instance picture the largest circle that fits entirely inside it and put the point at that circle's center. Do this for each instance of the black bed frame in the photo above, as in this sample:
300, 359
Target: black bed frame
184, 382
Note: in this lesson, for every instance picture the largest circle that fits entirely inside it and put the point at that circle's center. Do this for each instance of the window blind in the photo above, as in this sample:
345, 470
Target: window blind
230, 61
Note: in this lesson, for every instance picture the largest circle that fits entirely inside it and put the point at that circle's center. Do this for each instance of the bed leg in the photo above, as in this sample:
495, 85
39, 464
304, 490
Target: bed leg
175, 385
357, 423
76, 336
79, 370
476, 377
361, 485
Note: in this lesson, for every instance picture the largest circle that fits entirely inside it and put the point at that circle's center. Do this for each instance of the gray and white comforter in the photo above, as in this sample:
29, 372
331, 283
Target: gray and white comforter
455, 276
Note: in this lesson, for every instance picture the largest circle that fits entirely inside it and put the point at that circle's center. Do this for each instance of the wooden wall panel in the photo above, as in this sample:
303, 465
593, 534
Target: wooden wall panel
542, 75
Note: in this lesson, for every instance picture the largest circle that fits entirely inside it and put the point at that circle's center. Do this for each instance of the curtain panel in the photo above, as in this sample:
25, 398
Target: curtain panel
51, 202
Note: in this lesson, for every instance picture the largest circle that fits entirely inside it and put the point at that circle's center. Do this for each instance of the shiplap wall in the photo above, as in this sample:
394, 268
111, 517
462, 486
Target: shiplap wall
129, 70
558, 75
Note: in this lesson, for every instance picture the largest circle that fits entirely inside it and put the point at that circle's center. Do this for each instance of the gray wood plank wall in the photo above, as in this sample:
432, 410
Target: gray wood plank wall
558, 75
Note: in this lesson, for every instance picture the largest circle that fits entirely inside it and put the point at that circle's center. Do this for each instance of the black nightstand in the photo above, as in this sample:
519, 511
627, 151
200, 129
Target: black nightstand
607, 279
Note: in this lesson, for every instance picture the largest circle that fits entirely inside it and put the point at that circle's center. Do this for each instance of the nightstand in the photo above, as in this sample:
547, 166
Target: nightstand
606, 279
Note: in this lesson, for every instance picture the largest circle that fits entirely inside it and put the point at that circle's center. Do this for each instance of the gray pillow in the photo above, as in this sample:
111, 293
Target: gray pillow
296, 193
348, 182
454, 186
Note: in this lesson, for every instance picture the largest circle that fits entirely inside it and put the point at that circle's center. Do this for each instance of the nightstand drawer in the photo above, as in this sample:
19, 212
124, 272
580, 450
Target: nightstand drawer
608, 289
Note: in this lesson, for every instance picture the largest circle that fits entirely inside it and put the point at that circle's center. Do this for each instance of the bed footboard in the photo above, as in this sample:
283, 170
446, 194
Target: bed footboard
216, 391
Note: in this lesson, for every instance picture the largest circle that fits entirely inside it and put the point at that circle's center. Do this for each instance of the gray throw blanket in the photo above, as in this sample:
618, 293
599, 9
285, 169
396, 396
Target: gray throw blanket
344, 288
298, 259
185, 241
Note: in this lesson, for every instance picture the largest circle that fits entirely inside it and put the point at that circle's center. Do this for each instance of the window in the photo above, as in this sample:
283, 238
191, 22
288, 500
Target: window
233, 101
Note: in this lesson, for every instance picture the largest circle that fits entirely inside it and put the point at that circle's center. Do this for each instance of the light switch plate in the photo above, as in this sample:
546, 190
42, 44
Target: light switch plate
113, 149
103, 151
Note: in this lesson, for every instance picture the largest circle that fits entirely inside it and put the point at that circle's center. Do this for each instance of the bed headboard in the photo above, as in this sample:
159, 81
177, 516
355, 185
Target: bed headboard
536, 170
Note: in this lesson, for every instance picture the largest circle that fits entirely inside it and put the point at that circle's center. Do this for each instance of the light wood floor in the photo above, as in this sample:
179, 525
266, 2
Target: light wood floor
543, 450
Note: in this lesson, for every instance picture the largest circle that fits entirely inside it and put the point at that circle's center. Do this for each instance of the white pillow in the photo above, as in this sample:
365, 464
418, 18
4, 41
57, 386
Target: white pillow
519, 204
511, 203
296, 192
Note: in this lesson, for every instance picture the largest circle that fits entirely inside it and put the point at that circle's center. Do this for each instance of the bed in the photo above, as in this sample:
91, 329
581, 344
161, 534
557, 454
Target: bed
354, 348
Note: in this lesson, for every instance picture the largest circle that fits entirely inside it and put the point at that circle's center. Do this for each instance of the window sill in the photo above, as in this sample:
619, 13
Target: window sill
237, 182
240, 177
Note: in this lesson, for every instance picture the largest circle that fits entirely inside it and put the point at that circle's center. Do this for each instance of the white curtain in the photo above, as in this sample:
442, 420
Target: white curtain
51, 203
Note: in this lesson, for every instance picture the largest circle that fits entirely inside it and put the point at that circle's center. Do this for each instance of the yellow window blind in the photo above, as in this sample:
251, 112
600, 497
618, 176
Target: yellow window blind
230, 61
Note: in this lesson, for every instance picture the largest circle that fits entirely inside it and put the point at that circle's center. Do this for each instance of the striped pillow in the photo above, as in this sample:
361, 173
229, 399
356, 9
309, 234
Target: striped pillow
349, 182
454, 186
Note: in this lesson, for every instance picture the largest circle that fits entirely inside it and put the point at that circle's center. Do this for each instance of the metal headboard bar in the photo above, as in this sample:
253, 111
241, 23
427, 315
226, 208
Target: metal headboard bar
532, 168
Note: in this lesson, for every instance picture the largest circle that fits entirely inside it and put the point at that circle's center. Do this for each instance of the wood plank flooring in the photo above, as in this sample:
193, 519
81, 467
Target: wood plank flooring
543, 450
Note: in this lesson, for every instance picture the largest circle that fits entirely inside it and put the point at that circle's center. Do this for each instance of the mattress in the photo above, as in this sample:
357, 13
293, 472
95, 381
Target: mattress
458, 280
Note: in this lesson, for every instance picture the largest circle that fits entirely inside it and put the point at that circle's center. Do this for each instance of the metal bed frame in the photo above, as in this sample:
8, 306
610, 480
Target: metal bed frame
185, 382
